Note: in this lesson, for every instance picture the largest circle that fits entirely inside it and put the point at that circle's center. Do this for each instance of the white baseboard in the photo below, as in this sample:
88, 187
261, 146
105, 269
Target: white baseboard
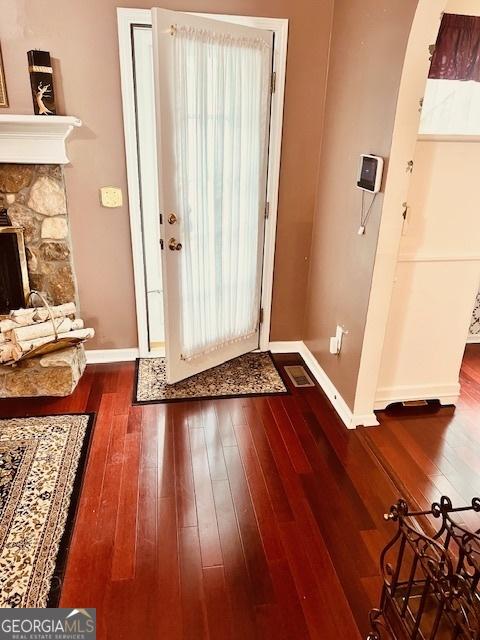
350, 420
293, 346
104, 356
447, 394
473, 338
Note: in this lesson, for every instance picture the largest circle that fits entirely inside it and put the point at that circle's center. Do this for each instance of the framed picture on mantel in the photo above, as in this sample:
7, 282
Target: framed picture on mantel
3, 86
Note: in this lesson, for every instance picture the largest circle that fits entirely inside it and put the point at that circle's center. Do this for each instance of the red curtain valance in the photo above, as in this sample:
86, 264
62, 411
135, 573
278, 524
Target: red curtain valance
457, 50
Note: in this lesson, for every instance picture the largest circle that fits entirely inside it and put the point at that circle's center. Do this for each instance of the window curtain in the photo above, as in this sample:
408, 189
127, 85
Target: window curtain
222, 98
457, 50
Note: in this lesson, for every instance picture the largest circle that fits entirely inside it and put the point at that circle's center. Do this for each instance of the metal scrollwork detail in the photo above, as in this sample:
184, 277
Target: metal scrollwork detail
431, 576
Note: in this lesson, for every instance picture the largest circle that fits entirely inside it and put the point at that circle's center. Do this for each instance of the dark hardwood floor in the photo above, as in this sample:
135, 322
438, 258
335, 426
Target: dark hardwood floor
247, 518
435, 450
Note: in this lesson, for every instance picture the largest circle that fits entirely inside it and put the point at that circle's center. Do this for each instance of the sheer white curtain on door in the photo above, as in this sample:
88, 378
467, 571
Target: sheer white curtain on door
221, 94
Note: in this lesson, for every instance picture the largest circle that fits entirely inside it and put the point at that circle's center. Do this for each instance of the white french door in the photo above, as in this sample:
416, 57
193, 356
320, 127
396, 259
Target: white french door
212, 84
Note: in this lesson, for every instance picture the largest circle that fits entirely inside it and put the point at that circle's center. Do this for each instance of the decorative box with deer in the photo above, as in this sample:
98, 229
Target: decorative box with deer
41, 80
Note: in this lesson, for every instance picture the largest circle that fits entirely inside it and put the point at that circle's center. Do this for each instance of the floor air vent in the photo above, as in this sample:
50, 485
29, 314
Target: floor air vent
415, 403
299, 376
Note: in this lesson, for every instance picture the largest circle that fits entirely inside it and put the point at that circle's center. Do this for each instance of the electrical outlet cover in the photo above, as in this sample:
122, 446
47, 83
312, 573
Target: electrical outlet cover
334, 346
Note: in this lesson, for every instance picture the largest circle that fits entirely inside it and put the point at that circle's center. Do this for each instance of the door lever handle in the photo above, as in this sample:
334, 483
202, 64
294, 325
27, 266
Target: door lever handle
173, 245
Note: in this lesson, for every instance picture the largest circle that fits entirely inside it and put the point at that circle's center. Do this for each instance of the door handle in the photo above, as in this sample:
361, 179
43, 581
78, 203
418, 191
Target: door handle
172, 218
173, 245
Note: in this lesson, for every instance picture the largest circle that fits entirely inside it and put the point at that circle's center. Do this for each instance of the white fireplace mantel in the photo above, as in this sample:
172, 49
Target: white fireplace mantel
35, 139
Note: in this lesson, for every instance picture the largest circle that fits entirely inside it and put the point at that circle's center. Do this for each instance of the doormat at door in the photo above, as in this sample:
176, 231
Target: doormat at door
42, 460
253, 374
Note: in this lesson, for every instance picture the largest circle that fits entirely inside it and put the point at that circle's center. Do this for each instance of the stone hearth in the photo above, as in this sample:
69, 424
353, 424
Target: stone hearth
54, 374
35, 198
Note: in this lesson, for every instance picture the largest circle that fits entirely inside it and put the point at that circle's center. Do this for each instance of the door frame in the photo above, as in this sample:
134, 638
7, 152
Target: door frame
127, 18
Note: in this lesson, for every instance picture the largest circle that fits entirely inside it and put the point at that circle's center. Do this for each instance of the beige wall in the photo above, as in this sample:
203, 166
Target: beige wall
368, 47
437, 264
437, 275
469, 7
82, 38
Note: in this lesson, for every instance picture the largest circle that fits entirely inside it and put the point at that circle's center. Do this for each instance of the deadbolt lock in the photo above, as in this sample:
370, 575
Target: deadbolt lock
172, 218
173, 245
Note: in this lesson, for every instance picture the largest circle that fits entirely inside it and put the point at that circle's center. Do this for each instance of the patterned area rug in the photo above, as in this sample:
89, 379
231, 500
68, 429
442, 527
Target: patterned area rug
249, 375
41, 464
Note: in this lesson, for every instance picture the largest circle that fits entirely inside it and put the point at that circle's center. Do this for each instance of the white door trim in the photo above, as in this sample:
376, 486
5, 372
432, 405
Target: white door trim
128, 17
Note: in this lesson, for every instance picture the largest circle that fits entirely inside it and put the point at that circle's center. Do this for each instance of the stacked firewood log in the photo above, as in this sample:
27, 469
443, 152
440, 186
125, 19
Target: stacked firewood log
24, 330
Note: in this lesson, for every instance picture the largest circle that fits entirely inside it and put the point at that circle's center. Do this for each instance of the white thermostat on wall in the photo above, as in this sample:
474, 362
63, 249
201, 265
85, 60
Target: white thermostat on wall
111, 197
370, 173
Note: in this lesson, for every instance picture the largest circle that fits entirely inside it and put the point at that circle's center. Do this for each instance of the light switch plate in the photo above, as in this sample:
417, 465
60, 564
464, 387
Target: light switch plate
111, 197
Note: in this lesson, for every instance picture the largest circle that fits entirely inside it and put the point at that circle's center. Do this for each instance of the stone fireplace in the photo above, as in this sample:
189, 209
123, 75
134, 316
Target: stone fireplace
35, 199
35, 247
